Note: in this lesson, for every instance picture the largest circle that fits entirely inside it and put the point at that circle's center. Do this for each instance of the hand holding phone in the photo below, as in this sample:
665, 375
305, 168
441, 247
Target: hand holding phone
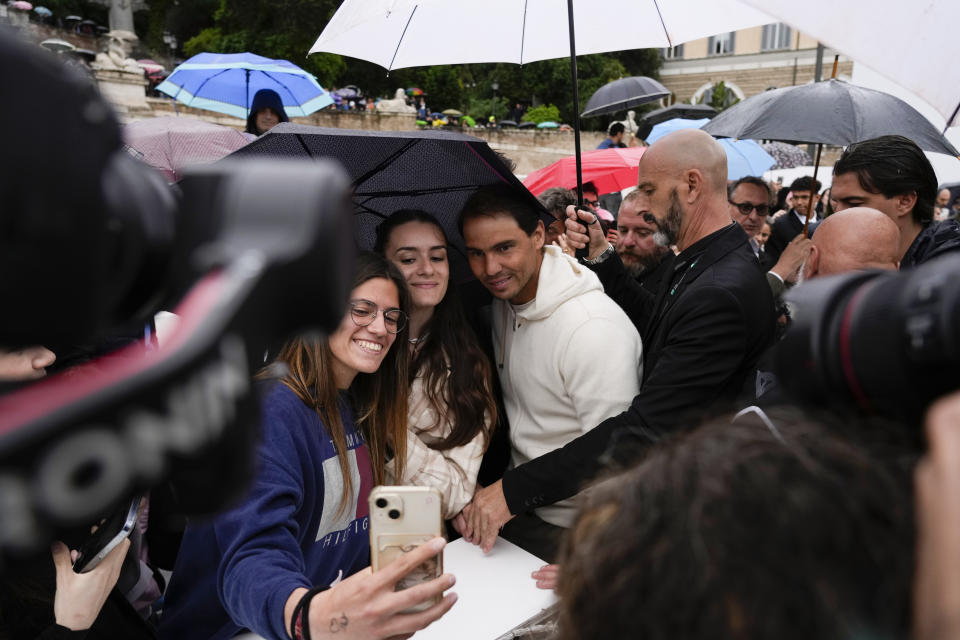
79, 597
402, 519
113, 530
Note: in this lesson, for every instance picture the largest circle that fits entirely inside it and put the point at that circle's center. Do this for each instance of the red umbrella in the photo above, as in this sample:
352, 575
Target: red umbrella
609, 169
171, 143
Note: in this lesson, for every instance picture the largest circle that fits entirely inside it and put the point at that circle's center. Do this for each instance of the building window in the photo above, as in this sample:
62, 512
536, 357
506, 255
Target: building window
720, 45
776, 36
672, 53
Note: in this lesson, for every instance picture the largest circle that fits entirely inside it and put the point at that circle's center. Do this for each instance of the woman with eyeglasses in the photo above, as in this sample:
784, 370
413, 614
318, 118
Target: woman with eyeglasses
451, 409
332, 409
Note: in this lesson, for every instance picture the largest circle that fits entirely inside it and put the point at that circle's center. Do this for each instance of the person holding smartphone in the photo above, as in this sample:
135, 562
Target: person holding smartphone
267, 565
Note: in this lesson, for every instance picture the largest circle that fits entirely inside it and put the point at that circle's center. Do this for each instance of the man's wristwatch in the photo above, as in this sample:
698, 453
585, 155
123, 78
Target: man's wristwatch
604, 255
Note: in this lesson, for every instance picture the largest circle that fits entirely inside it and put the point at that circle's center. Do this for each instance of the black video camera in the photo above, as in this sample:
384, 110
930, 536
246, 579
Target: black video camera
885, 342
255, 251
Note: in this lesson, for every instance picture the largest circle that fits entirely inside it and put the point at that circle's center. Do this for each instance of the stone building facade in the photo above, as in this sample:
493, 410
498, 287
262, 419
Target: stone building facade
748, 62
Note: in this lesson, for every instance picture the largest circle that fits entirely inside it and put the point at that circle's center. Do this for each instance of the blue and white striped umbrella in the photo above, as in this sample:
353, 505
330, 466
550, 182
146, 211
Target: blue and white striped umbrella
227, 82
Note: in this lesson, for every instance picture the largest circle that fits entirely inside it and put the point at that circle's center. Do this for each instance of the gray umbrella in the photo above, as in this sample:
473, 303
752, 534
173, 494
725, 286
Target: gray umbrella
624, 94
829, 112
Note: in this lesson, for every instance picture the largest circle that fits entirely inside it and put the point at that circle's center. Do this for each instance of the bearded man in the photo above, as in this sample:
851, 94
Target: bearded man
642, 257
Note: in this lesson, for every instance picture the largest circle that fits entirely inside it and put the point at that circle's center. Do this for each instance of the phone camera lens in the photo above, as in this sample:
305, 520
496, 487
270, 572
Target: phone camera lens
394, 514
381, 502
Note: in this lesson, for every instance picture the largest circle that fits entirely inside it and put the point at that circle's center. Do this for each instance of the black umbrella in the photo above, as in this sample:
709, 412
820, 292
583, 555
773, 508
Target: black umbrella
679, 110
828, 112
623, 94
392, 170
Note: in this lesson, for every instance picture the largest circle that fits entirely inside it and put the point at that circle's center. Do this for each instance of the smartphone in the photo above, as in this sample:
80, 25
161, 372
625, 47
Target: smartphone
111, 532
401, 519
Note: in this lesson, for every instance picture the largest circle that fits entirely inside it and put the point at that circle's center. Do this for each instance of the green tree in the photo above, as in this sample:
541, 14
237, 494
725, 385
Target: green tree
542, 113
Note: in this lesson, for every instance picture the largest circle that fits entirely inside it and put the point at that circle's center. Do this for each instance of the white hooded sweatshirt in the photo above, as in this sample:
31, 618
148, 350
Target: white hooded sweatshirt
570, 359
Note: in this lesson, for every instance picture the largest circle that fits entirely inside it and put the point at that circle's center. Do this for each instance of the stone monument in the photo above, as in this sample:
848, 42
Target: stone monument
120, 78
397, 105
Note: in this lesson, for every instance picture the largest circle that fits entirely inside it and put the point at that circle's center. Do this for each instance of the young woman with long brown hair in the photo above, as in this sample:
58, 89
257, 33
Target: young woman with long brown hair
451, 406
333, 408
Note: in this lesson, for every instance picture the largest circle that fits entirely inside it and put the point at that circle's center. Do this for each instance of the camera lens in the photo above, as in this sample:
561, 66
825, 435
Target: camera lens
381, 502
394, 514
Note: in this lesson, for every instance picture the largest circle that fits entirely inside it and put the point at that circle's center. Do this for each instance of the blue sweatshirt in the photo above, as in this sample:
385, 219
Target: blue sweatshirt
237, 571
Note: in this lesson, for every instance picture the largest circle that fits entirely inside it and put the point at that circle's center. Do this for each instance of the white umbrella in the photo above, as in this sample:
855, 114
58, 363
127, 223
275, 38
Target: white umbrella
409, 33
908, 42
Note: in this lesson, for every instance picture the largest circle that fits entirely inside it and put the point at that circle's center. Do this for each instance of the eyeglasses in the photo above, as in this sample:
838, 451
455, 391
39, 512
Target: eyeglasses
591, 203
365, 312
745, 208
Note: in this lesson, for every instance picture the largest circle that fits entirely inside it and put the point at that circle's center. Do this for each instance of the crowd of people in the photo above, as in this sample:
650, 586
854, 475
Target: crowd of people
614, 415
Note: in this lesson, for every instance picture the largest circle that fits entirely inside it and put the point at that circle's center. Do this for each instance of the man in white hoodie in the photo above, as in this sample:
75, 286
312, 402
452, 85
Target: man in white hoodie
551, 321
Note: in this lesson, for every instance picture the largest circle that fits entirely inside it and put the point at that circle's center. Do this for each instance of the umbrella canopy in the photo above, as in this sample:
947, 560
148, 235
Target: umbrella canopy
831, 112
57, 45
171, 143
21, 5
409, 33
396, 34
548, 124
227, 82
392, 170
917, 60
624, 94
679, 110
150, 66
452, 112
506, 124
609, 169
787, 155
43, 12
414, 91
676, 124
349, 92
745, 158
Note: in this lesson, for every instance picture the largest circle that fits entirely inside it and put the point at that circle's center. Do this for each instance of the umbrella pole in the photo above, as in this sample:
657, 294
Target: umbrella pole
247, 98
576, 102
813, 190
582, 253
816, 163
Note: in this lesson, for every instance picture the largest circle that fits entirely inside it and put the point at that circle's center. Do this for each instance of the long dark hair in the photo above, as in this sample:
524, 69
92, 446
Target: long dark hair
456, 373
379, 399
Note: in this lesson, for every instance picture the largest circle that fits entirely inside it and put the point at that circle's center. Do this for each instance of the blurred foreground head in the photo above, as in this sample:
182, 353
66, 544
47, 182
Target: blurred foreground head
737, 531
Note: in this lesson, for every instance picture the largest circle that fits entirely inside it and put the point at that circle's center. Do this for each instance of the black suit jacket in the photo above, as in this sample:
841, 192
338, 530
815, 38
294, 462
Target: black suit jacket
784, 229
702, 337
